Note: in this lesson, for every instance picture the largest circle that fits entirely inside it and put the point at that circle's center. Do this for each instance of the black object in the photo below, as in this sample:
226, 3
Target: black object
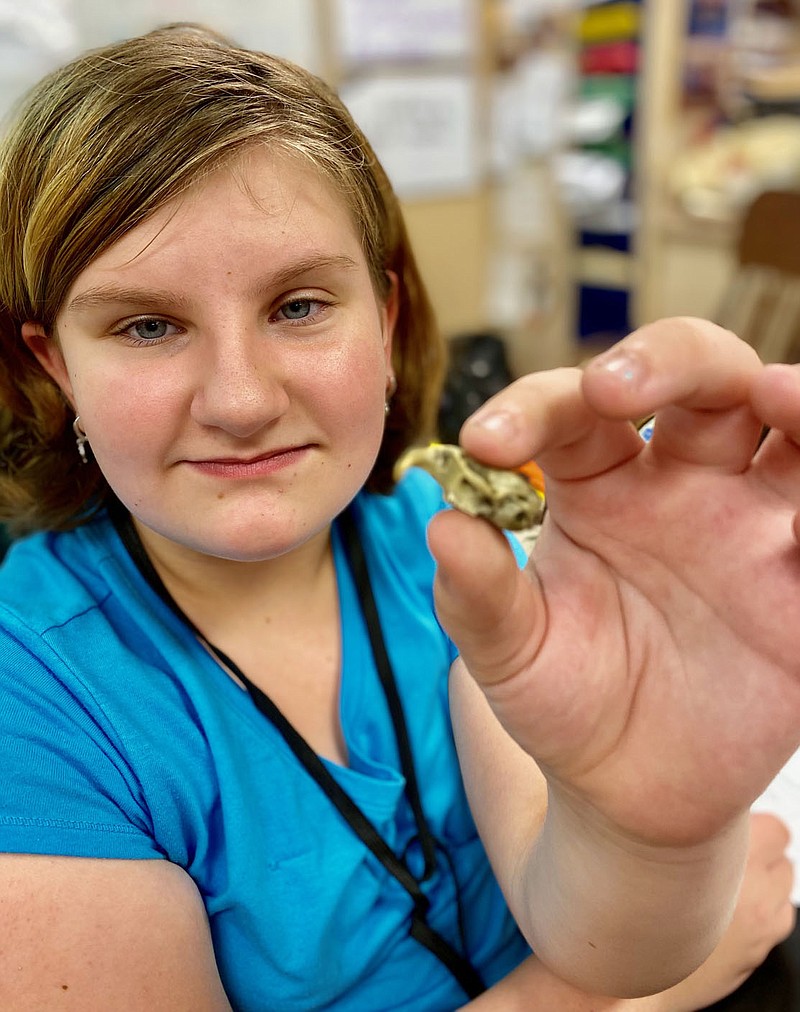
478, 369
772, 987
459, 965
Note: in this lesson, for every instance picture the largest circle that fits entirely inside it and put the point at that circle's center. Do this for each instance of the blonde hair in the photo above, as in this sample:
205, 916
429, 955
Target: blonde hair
104, 142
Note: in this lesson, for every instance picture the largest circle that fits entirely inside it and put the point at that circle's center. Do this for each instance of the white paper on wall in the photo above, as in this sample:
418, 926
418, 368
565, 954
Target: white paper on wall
519, 288
544, 91
508, 295
505, 141
523, 14
35, 37
523, 206
40, 25
290, 29
371, 30
423, 129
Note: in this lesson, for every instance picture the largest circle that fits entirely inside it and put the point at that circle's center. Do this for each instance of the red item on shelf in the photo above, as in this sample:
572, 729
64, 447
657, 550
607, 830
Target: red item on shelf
610, 58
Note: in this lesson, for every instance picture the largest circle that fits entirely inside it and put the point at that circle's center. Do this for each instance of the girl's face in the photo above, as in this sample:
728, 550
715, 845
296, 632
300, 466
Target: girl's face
229, 361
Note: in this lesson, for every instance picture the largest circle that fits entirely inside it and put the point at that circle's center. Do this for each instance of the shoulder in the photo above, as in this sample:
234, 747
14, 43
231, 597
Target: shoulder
409, 506
55, 606
88, 700
68, 626
47, 579
136, 936
393, 527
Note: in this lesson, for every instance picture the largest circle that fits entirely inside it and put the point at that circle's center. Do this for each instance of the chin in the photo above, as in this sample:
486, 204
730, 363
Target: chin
253, 544
249, 531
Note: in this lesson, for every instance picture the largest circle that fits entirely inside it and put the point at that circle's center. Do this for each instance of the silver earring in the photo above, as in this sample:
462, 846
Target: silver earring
81, 439
391, 387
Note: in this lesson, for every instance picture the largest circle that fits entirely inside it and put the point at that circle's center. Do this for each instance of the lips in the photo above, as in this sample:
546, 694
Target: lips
251, 467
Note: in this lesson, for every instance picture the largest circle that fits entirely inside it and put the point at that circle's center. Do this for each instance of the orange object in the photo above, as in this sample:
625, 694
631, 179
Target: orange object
533, 473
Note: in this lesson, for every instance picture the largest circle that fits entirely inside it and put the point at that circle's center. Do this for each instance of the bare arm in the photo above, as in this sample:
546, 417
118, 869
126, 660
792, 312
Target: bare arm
92, 935
607, 887
763, 917
533, 986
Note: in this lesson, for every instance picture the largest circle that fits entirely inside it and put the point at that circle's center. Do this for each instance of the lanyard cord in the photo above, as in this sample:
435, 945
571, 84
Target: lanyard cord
354, 552
458, 965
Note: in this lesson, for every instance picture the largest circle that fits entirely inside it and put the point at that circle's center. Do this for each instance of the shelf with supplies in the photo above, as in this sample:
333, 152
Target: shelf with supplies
717, 127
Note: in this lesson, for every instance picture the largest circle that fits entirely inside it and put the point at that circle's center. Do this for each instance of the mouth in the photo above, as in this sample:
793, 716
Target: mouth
252, 467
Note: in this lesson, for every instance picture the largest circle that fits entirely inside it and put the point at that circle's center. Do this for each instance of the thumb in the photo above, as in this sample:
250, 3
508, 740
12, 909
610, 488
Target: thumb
491, 609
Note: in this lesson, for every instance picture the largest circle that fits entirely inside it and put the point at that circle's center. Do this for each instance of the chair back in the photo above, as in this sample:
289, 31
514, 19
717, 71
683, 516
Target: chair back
762, 303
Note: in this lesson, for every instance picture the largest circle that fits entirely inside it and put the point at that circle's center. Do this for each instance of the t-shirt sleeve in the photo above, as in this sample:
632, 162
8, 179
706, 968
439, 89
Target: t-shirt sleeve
68, 787
520, 552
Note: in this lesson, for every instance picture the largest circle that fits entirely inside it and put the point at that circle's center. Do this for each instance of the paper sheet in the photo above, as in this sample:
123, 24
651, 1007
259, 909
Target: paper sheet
373, 30
285, 29
35, 37
422, 128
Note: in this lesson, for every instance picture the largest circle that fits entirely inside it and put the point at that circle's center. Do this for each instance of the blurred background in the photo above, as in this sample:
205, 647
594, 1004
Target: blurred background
569, 170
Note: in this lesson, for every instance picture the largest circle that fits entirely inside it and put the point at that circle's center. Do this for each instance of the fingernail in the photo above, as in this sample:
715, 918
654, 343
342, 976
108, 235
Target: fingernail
623, 365
498, 423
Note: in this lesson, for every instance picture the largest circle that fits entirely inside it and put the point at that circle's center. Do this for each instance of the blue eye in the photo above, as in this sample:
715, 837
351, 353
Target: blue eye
301, 311
150, 330
297, 309
147, 330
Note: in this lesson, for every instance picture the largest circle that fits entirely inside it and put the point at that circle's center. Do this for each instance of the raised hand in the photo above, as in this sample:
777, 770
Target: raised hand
649, 658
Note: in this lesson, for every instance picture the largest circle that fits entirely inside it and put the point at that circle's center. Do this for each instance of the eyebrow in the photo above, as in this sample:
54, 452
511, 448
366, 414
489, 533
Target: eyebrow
102, 295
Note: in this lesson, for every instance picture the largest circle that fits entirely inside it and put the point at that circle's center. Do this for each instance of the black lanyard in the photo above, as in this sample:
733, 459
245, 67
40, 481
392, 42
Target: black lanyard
458, 964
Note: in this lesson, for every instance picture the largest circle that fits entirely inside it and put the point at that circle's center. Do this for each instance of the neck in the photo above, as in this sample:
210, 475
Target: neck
277, 620
209, 588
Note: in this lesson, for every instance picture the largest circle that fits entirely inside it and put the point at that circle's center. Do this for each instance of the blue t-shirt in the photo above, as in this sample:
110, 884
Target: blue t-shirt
123, 738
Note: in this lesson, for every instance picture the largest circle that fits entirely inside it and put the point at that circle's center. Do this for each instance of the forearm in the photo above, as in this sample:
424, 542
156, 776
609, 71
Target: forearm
602, 916
611, 915
532, 985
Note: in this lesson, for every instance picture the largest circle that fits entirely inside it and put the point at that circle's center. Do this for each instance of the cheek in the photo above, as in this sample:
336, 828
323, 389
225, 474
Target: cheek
125, 417
353, 388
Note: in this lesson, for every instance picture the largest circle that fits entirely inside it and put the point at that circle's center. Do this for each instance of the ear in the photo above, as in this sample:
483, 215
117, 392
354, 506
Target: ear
391, 310
48, 355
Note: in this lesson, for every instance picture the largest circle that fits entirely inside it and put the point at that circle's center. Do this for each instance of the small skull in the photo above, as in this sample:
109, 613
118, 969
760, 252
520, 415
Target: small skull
506, 498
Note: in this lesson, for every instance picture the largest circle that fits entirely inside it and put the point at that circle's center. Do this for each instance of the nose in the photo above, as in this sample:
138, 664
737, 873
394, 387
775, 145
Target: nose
239, 390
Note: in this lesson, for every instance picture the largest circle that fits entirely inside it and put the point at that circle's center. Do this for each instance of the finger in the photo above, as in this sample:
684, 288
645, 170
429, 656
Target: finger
697, 376
772, 884
776, 398
545, 417
769, 888
787, 921
491, 609
781, 921
769, 836
776, 929
783, 872
776, 401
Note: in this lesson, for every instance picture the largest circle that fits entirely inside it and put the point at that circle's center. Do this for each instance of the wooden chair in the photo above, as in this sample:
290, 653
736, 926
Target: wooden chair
762, 303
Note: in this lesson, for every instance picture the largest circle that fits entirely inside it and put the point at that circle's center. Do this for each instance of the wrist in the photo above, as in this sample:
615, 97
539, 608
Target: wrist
570, 818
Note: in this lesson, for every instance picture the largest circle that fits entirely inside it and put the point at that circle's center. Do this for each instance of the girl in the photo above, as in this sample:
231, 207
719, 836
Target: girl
230, 773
